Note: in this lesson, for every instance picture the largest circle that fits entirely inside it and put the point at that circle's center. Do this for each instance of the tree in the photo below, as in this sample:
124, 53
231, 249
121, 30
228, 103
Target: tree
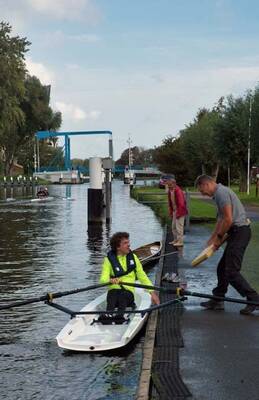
141, 156
170, 158
51, 156
24, 104
78, 162
232, 129
38, 116
198, 142
12, 89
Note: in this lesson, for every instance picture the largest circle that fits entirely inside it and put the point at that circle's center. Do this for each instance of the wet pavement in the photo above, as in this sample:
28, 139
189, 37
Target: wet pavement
252, 212
220, 358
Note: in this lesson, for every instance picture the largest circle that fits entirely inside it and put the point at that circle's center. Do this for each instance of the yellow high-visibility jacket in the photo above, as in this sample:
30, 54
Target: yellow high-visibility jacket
138, 274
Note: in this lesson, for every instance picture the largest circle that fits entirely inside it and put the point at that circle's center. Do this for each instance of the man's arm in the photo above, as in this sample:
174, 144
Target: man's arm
215, 232
227, 220
222, 227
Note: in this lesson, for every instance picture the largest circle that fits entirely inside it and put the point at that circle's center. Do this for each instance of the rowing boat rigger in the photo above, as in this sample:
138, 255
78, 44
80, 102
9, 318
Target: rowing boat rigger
85, 333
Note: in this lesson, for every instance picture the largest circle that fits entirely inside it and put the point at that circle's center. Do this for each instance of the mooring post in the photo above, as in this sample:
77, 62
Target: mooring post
95, 192
107, 166
131, 186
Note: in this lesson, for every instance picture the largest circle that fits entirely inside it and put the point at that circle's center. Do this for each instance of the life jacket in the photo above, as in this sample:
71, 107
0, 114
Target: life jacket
117, 267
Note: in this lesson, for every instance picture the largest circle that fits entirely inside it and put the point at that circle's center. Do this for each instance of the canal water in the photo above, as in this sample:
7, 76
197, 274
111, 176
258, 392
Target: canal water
47, 247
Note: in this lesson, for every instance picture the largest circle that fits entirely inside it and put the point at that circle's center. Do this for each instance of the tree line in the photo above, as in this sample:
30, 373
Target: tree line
139, 156
24, 107
215, 142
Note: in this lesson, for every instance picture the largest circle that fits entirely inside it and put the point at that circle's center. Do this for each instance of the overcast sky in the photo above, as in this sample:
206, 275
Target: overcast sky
142, 67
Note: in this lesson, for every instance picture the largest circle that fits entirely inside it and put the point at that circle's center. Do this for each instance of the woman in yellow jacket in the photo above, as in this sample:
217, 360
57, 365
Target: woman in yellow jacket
121, 265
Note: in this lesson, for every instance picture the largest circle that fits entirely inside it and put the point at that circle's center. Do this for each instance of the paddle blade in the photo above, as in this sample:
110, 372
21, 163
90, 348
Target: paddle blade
204, 255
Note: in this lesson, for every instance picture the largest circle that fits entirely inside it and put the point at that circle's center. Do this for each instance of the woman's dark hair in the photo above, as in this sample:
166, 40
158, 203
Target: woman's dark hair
116, 239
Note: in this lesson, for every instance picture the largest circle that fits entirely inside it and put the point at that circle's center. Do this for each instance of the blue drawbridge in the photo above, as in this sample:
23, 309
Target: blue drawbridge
40, 135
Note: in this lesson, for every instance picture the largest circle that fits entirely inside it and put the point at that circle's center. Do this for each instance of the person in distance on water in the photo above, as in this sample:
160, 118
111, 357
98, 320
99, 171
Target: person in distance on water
42, 192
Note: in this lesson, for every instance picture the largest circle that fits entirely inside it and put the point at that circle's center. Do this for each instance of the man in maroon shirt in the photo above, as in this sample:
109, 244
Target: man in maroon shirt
177, 210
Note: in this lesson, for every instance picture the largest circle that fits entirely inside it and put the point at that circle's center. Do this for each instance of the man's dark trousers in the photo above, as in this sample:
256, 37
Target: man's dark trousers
120, 298
230, 264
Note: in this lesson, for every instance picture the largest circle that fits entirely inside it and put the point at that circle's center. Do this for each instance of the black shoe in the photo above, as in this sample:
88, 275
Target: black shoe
249, 309
213, 305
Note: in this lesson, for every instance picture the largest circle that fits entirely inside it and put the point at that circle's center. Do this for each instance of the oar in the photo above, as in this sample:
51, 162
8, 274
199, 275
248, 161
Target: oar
148, 287
50, 296
163, 255
182, 292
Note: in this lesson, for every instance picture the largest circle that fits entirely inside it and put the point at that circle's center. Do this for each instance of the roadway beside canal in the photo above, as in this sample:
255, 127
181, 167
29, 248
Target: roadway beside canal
207, 354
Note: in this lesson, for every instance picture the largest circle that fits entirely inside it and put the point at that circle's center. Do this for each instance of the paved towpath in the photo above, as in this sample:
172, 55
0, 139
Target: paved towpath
220, 357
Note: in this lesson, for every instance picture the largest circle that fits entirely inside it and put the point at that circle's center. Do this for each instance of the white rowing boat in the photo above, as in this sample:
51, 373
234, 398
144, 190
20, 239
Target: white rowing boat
42, 199
81, 333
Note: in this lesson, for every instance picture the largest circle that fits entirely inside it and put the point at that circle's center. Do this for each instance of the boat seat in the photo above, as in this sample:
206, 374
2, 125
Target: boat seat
111, 319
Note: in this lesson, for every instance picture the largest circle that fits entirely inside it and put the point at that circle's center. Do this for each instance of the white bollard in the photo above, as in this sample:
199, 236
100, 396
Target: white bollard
95, 172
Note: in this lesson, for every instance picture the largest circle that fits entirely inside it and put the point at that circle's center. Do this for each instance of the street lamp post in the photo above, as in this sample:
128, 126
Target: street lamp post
129, 141
249, 145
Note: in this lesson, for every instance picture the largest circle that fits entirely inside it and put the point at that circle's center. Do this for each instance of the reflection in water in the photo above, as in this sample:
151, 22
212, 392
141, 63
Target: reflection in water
68, 191
48, 247
16, 192
95, 236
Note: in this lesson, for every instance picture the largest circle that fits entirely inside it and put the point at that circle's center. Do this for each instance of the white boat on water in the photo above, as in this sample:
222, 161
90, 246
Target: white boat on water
42, 199
84, 333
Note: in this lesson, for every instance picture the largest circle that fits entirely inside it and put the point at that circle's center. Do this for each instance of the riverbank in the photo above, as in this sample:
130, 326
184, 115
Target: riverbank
22, 180
190, 351
247, 199
156, 198
205, 213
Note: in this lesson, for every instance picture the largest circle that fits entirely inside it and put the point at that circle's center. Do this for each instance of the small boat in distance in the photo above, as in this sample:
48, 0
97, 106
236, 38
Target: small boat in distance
42, 199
